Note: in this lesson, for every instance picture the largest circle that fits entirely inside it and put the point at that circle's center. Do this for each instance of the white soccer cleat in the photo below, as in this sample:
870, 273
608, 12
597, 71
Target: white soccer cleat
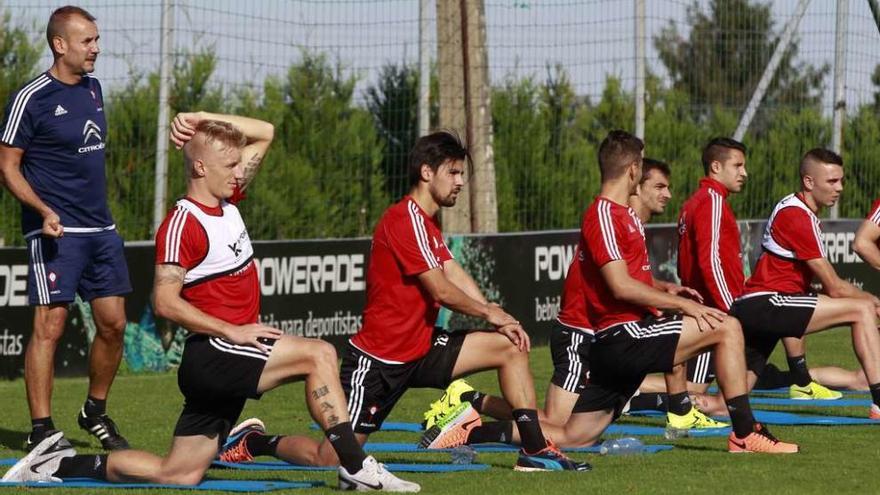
42, 462
374, 477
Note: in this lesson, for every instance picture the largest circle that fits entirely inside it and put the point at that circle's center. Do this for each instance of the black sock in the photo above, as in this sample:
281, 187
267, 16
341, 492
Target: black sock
83, 466
741, 415
351, 454
496, 431
651, 401
530, 434
875, 393
680, 404
95, 407
797, 365
42, 425
475, 397
259, 444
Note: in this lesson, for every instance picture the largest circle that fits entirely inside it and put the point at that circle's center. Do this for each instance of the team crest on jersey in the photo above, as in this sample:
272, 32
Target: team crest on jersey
53, 283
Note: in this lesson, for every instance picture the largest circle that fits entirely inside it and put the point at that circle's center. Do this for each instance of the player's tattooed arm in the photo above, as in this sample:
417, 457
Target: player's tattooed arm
170, 274
251, 166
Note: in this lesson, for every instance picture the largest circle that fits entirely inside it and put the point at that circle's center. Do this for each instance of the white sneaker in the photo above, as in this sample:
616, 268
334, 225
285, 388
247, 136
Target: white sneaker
374, 477
42, 462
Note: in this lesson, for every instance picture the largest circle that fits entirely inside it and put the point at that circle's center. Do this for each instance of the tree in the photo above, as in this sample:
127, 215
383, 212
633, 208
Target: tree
19, 54
323, 176
723, 57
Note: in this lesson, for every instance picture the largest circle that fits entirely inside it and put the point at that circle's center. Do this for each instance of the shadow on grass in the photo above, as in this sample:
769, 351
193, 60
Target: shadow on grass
15, 440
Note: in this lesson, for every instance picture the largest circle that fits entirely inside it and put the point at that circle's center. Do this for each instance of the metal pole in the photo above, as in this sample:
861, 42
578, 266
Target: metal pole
839, 85
770, 70
640, 68
165, 48
424, 70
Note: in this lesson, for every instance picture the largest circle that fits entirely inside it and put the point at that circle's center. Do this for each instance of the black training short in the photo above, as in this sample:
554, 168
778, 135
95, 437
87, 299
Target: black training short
216, 378
622, 356
570, 349
701, 368
373, 387
767, 317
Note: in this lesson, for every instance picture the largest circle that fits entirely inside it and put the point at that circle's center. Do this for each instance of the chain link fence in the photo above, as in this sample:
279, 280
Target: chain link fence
339, 79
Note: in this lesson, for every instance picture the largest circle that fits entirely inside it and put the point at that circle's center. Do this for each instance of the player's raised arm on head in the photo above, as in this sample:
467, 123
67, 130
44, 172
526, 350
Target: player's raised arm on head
865, 244
259, 136
12, 178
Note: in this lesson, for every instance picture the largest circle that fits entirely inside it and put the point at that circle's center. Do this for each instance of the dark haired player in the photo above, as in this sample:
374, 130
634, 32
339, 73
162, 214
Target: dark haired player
411, 274
777, 300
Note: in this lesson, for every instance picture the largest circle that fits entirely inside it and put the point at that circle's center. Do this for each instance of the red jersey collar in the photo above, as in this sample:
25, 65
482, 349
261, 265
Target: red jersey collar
716, 186
422, 212
216, 211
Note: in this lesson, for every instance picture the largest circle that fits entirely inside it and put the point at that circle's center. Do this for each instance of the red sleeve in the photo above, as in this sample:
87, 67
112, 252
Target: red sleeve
599, 233
181, 240
795, 230
706, 225
409, 242
237, 196
874, 215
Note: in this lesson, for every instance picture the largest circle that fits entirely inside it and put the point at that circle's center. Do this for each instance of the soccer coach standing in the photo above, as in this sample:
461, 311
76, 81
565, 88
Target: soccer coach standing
52, 161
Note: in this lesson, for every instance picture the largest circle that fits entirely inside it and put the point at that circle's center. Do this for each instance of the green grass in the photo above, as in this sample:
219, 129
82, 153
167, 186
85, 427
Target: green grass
837, 459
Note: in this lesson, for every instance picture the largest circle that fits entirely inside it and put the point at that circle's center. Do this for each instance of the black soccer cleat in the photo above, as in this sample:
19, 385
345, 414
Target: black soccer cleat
104, 429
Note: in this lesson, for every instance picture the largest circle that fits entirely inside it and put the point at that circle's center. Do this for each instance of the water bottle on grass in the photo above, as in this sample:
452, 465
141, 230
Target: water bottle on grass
622, 446
463, 454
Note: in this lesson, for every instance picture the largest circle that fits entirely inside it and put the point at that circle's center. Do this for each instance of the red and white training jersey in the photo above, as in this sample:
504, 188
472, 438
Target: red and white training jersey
400, 314
792, 236
612, 232
874, 215
573, 308
709, 254
213, 245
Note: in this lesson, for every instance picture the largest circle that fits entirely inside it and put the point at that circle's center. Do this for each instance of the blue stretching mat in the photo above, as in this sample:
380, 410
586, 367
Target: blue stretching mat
488, 448
774, 401
393, 467
658, 431
614, 429
768, 391
217, 485
786, 418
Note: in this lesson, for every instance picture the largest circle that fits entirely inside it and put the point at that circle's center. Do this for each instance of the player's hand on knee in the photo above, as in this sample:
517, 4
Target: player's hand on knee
498, 317
183, 128
251, 335
52, 226
707, 318
682, 291
517, 335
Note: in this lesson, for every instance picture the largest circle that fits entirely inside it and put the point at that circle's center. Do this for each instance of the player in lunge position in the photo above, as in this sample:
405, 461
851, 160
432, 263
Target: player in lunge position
207, 282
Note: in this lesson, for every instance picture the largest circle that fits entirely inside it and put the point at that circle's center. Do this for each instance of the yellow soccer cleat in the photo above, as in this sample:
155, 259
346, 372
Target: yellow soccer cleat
450, 400
679, 426
813, 391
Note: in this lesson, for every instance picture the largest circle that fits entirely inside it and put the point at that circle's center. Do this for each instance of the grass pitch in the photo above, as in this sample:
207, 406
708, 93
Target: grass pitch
832, 459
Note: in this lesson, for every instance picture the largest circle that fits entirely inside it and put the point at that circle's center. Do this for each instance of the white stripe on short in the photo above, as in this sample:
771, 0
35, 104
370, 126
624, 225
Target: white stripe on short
575, 366
356, 396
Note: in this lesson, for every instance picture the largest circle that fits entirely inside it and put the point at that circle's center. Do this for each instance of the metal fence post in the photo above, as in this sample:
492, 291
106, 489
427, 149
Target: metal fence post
640, 68
165, 53
839, 85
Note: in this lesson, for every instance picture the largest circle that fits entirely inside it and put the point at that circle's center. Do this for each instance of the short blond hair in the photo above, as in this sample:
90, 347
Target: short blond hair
224, 133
